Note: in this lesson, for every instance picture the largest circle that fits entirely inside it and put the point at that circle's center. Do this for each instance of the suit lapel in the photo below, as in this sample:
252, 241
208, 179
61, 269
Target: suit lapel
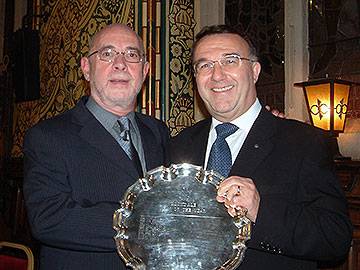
149, 143
258, 144
98, 137
198, 143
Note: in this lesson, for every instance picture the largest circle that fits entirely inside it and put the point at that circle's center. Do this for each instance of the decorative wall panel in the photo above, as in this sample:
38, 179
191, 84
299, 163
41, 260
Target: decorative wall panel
181, 87
167, 28
65, 32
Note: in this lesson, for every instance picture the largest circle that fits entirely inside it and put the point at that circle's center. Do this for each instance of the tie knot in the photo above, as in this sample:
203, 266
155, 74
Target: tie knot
226, 129
123, 123
124, 128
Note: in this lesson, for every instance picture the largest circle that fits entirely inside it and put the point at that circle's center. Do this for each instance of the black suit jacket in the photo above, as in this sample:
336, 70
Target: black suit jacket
75, 176
303, 215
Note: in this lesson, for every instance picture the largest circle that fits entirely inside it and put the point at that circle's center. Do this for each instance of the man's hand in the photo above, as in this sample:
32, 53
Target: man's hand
239, 192
275, 112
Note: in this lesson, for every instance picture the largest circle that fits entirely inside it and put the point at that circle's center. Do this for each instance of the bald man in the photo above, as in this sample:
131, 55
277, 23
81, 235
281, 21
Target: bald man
79, 164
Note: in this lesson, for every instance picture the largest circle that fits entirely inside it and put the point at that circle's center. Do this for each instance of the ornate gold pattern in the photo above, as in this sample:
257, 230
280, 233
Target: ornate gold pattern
65, 33
181, 36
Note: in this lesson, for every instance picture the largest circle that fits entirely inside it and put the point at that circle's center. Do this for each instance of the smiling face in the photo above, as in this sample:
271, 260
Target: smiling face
227, 93
115, 85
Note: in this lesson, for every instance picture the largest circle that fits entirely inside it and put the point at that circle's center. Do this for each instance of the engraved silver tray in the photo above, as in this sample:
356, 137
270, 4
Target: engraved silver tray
170, 219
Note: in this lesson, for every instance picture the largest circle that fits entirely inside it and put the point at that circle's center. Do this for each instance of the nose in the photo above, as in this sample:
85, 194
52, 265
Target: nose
217, 72
119, 62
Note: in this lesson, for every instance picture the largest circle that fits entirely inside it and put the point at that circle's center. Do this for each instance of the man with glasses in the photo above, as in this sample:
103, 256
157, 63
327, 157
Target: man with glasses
278, 170
79, 164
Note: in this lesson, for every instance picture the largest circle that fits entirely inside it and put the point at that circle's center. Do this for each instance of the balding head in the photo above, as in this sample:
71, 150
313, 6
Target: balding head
110, 28
115, 82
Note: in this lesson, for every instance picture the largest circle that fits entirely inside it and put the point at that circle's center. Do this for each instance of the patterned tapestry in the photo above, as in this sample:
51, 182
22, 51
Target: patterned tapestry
181, 88
64, 36
167, 28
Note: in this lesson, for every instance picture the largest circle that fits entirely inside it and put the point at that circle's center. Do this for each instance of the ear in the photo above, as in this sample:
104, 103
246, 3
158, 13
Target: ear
256, 67
145, 69
85, 67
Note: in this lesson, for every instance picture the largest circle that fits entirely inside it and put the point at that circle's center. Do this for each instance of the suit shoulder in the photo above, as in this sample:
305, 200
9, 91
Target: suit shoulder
150, 119
151, 122
187, 134
299, 128
194, 129
157, 126
56, 124
302, 134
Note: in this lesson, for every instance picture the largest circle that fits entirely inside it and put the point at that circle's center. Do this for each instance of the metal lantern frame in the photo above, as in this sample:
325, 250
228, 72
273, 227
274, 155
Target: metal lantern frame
327, 101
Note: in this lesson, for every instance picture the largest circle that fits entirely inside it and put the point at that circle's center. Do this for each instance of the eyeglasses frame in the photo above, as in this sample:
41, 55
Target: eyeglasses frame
142, 55
213, 62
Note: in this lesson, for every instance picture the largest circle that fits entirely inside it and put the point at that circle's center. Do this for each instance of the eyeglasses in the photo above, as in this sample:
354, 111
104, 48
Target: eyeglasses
227, 62
109, 55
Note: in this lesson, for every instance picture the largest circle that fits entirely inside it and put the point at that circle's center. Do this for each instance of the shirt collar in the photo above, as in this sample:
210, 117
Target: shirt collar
106, 118
244, 121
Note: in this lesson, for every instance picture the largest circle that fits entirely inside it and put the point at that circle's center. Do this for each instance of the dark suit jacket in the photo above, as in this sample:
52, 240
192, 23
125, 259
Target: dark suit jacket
75, 176
302, 216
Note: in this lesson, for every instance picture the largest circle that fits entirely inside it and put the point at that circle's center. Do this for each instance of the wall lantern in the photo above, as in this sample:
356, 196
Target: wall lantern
327, 103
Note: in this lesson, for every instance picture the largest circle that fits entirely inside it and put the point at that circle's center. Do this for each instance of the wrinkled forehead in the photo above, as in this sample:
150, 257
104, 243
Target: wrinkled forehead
216, 45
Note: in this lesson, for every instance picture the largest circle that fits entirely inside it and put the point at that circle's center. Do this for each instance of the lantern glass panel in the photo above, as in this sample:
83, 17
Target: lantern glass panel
318, 98
341, 96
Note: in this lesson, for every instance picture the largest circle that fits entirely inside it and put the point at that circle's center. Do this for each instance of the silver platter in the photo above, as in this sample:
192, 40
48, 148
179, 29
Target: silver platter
170, 219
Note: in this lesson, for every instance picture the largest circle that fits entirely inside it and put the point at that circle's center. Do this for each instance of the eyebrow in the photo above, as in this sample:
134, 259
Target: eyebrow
129, 48
133, 49
223, 55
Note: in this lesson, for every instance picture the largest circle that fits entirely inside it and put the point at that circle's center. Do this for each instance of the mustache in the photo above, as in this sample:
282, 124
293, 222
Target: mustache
119, 77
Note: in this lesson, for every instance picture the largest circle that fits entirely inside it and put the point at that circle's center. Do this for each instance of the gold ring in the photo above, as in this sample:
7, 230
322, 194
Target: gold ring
240, 211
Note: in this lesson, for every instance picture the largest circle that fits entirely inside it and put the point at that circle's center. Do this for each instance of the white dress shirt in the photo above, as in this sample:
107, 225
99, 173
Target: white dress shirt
235, 141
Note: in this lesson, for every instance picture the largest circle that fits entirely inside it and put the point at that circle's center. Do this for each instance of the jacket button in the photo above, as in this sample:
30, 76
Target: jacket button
262, 245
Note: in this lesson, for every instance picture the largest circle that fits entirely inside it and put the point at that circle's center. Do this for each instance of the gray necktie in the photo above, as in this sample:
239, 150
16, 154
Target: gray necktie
220, 155
123, 129
124, 133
